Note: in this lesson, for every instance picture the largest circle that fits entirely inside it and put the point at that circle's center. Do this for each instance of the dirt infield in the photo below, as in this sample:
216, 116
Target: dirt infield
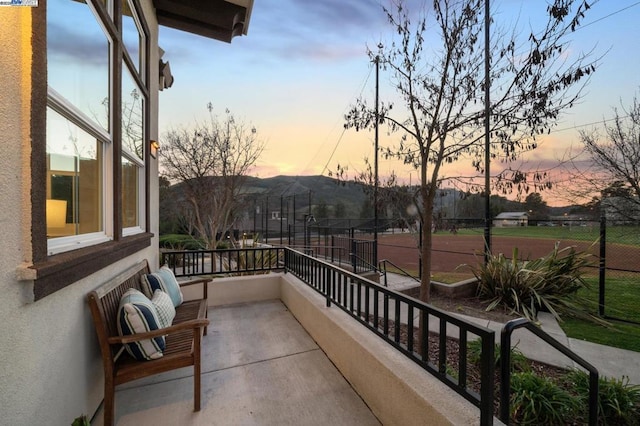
450, 251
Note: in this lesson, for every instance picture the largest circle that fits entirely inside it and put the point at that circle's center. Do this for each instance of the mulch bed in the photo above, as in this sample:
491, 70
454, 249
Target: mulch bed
472, 307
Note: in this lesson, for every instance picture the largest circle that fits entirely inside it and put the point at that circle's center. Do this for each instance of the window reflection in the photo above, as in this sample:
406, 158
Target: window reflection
130, 194
78, 58
132, 114
131, 33
74, 179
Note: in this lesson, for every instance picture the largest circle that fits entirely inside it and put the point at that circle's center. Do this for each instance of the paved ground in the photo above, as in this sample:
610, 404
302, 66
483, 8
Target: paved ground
260, 367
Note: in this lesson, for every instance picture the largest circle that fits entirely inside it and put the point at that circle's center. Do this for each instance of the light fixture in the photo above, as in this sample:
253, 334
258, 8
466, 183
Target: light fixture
165, 78
154, 147
56, 213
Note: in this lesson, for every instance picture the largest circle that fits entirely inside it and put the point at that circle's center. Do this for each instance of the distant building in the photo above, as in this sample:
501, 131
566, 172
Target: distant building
507, 219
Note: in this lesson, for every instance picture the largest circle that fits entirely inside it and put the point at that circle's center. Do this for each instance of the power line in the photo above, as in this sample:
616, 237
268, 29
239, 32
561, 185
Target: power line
364, 84
576, 126
609, 15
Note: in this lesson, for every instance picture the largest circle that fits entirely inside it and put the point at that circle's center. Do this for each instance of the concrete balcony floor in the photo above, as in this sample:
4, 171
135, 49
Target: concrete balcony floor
259, 367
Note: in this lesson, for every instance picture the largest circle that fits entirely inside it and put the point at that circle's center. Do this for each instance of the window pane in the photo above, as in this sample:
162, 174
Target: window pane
132, 114
78, 58
74, 179
130, 194
131, 34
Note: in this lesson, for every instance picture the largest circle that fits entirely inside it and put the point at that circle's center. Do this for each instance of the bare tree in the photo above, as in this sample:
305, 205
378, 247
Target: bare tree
612, 167
441, 86
211, 161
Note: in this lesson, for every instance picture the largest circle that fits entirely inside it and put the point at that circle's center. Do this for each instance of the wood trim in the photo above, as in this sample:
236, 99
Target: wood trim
64, 269
38, 129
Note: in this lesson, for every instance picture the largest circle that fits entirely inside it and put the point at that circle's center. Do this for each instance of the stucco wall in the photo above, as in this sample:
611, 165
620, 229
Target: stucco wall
51, 369
396, 390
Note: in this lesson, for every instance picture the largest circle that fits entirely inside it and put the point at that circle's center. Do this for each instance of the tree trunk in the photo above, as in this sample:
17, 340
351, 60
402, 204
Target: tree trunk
425, 251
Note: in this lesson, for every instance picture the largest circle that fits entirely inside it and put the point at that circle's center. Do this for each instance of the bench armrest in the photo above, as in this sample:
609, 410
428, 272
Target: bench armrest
186, 325
203, 281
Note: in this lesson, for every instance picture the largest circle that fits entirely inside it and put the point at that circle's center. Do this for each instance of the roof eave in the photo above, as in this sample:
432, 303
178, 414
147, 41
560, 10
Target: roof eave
218, 19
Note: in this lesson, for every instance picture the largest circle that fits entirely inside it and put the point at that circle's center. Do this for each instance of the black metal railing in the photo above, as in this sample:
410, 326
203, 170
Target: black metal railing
383, 268
505, 367
387, 313
361, 253
400, 320
224, 262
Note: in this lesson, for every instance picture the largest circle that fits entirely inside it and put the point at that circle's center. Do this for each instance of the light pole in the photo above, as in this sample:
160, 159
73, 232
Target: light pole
375, 189
487, 141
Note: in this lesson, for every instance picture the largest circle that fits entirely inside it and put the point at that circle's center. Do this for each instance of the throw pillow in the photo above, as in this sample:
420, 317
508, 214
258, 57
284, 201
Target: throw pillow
164, 308
136, 314
163, 280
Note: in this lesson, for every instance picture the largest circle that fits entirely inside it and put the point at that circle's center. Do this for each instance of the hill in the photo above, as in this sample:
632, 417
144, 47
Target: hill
307, 189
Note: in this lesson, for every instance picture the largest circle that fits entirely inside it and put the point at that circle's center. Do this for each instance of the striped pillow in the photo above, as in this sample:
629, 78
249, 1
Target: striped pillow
163, 280
164, 308
136, 314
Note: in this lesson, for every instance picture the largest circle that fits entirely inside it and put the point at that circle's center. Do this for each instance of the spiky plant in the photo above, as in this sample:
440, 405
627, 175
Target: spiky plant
548, 283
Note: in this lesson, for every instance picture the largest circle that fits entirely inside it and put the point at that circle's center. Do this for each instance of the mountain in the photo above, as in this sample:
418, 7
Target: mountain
315, 189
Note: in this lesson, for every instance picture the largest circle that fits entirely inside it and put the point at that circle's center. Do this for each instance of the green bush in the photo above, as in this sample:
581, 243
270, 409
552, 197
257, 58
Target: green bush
181, 242
518, 361
618, 401
81, 421
539, 401
257, 259
549, 283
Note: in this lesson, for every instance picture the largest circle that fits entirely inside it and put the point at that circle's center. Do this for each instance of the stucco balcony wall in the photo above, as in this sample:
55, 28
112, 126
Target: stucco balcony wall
396, 390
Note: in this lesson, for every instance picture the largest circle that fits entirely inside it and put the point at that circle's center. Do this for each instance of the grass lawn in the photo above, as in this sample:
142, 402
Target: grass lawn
629, 235
622, 300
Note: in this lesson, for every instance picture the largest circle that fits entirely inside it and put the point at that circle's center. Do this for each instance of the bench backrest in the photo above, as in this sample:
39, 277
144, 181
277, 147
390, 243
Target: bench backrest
105, 300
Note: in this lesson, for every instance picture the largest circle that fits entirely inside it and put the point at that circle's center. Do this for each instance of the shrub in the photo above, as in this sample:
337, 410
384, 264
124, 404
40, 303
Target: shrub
257, 259
538, 400
618, 401
527, 286
181, 242
518, 361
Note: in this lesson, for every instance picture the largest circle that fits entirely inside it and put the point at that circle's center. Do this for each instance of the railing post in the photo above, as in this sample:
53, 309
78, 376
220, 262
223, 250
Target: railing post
328, 282
354, 255
486, 380
602, 266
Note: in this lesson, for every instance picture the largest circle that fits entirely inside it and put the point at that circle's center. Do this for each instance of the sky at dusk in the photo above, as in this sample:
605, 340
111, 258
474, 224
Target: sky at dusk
304, 63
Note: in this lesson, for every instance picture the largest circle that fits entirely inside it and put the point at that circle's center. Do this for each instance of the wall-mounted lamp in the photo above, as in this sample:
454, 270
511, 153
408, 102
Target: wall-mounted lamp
165, 76
56, 213
154, 147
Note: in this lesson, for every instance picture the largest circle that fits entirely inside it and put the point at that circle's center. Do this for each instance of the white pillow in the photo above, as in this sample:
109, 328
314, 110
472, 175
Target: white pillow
136, 314
164, 280
164, 308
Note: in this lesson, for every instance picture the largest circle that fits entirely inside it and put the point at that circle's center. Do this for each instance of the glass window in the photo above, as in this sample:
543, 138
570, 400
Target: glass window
131, 33
132, 116
81, 133
78, 58
130, 194
74, 179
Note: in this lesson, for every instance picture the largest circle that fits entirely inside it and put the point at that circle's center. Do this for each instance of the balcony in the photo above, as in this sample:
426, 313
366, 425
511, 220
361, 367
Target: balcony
276, 354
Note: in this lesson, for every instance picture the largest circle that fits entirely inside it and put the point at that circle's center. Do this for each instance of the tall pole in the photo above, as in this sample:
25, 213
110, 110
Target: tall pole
375, 188
487, 141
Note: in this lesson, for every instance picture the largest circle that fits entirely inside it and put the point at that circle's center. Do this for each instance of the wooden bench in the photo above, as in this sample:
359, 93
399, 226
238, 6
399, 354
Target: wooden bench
183, 337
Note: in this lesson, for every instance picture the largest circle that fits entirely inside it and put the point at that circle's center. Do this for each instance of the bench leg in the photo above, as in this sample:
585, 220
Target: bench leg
196, 372
109, 403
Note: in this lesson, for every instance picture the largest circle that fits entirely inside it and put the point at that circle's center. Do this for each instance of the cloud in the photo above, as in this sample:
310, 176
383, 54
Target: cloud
77, 46
328, 30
